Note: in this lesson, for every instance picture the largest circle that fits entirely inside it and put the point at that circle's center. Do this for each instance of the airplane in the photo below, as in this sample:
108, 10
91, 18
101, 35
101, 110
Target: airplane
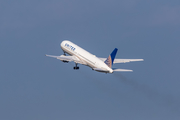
81, 56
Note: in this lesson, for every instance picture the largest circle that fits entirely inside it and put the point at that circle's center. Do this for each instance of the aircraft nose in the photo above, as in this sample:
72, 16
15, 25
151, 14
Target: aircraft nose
63, 43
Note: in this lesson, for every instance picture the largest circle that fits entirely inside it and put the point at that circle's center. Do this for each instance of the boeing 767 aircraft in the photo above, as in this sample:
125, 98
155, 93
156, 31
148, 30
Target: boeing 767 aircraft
81, 56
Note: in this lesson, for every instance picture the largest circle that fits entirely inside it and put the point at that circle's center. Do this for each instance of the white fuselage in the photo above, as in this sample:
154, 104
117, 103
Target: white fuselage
87, 58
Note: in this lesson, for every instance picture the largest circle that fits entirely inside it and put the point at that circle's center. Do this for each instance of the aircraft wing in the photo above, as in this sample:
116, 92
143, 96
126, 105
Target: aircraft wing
67, 58
123, 60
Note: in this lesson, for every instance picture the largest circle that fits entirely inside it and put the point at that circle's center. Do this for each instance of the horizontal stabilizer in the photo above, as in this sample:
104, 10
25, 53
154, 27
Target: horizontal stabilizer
122, 70
127, 60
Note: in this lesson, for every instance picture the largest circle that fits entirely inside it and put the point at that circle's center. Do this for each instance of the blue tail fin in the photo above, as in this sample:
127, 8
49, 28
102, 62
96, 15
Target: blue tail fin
109, 61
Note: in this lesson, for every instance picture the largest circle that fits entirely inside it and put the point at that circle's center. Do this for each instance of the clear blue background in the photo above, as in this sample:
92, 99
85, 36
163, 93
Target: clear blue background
35, 87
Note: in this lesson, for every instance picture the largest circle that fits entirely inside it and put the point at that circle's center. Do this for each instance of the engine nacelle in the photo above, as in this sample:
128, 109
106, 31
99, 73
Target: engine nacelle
64, 61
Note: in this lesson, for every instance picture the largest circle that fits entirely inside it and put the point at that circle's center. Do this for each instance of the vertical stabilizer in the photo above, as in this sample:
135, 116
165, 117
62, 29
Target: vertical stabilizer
109, 61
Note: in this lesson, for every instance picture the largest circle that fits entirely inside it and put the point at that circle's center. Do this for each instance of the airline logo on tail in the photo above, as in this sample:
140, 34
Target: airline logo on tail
109, 61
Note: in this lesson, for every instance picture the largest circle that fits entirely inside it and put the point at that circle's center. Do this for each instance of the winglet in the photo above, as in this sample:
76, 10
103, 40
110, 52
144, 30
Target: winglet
109, 61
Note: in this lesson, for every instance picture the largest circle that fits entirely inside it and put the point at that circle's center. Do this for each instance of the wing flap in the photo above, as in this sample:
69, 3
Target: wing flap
52, 56
63, 57
68, 58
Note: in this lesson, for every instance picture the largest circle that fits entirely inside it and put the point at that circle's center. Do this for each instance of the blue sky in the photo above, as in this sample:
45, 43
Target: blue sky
33, 86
